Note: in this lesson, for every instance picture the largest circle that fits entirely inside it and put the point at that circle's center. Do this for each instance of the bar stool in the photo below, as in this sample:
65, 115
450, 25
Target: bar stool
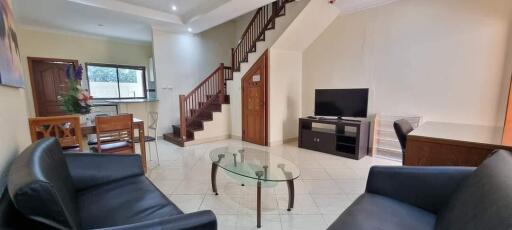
152, 128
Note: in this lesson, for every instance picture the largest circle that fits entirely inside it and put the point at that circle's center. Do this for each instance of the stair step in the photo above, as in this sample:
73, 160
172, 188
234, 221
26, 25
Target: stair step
176, 130
170, 137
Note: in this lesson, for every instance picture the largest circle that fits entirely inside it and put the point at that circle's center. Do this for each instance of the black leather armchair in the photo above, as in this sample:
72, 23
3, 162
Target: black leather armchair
435, 198
89, 191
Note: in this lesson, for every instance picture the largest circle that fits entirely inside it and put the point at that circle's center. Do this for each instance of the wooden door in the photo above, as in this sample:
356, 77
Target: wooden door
49, 80
254, 103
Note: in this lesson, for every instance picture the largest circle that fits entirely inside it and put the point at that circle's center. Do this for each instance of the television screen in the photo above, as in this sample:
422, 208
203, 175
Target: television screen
341, 102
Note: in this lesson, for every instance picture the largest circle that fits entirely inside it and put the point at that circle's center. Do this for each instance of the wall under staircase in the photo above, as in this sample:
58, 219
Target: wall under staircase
234, 87
285, 70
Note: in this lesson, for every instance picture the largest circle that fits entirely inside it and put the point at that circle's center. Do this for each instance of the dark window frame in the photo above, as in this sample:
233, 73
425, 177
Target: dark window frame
144, 85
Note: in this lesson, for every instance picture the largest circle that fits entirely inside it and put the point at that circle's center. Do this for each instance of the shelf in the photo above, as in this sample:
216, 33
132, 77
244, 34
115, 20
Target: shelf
341, 143
347, 134
322, 130
348, 149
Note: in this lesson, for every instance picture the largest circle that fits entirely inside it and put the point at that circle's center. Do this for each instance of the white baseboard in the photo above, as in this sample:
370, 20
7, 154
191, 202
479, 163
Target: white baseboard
235, 137
280, 142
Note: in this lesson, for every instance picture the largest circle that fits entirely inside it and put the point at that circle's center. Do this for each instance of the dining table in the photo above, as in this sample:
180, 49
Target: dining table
138, 124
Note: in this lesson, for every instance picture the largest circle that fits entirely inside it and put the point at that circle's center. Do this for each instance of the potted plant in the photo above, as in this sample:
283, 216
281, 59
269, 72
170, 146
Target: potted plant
76, 100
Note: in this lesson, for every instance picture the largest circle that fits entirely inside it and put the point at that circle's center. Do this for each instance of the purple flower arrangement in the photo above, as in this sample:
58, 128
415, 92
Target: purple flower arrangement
76, 99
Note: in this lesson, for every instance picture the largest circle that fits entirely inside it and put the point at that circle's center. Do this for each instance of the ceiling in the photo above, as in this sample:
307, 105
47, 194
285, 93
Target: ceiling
186, 9
133, 19
129, 19
351, 6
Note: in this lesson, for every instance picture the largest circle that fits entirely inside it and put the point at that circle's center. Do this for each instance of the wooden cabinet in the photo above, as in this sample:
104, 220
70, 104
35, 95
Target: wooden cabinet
338, 137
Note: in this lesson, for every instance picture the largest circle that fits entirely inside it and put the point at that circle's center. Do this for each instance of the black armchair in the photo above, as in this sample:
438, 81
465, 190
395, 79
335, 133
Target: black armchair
435, 198
91, 191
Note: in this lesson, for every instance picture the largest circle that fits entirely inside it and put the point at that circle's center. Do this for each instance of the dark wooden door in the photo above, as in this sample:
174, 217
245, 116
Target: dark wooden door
49, 81
254, 103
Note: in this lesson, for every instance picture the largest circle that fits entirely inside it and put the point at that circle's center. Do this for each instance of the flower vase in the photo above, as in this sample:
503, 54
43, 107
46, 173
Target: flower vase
86, 119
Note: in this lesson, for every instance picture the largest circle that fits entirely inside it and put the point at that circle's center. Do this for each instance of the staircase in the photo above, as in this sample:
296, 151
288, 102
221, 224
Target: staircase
208, 97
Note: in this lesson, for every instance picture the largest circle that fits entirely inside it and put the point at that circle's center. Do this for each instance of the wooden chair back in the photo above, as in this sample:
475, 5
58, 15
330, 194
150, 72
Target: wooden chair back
112, 129
65, 128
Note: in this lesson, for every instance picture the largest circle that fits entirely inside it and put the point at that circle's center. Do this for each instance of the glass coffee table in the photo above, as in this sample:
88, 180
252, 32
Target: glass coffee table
257, 165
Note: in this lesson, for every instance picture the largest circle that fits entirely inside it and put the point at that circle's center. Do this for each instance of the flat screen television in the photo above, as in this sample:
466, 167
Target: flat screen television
341, 102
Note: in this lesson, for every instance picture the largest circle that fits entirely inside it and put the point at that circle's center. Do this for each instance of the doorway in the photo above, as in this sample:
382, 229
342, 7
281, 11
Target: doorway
49, 80
255, 102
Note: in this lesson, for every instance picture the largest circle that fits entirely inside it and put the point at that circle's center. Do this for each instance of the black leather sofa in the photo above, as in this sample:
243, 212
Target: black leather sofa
49, 189
439, 198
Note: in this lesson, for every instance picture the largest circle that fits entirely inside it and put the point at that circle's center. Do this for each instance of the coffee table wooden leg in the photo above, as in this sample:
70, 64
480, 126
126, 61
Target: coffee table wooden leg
258, 205
291, 194
214, 178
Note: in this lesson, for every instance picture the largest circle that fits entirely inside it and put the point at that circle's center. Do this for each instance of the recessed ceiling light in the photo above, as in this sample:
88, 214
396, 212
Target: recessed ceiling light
189, 29
174, 8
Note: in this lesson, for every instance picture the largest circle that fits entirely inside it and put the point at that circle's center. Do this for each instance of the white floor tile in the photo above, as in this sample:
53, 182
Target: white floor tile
187, 203
302, 222
327, 185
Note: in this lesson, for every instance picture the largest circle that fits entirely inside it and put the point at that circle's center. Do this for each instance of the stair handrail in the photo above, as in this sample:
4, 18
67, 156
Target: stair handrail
195, 102
263, 18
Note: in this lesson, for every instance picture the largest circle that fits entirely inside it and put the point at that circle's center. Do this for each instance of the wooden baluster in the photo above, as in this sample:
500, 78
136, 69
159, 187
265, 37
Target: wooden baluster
221, 84
183, 125
233, 58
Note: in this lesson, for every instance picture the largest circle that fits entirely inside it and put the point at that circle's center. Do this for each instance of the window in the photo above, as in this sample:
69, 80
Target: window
116, 81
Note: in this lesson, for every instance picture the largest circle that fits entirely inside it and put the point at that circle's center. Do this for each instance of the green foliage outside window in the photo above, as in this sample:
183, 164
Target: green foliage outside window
109, 74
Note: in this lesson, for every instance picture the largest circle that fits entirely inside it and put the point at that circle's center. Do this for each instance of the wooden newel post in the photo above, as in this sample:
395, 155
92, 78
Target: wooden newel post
222, 80
183, 122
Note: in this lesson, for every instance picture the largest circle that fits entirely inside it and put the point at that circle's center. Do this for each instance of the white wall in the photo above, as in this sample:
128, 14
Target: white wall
14, 134
285, 71
443, 59
54, 44
182, 61
286, 68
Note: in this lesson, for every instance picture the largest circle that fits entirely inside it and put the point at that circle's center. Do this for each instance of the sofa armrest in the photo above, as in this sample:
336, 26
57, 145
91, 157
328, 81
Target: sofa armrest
201, 220
428, 188
91, 169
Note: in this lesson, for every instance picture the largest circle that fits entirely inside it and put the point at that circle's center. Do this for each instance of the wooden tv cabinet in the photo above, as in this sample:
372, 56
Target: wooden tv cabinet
338, 137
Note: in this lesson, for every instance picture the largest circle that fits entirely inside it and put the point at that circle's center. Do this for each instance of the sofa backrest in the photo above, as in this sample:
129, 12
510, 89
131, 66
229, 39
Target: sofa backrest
484, 200
40, 185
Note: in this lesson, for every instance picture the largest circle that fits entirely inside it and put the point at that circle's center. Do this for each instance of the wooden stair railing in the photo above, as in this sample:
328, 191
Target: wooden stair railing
210, 90
263, 20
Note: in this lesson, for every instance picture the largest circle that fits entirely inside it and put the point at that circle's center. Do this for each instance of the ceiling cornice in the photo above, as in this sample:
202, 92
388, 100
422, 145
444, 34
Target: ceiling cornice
131, 9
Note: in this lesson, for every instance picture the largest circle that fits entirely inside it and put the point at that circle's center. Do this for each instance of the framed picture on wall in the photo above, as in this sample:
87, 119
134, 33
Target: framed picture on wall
10, 61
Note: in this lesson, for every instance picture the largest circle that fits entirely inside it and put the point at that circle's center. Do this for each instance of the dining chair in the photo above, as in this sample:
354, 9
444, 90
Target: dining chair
65, 128
402, 128
114, 134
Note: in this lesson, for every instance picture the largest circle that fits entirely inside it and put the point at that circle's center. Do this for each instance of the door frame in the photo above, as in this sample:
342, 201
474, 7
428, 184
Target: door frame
263, 58
30, 61
507, 126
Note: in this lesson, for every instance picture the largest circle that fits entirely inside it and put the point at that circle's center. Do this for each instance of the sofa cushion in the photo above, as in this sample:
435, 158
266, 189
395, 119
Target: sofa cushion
123, 202
372, 211
41, 187
484, 200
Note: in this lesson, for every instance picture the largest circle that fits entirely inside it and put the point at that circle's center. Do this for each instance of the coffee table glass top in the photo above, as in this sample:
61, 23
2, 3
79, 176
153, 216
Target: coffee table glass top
254, 163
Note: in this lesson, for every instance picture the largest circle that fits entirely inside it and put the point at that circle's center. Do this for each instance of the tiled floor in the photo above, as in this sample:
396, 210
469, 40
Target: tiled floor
327, 185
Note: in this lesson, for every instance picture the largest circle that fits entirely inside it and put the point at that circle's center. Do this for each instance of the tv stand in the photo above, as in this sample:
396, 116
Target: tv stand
345, 137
